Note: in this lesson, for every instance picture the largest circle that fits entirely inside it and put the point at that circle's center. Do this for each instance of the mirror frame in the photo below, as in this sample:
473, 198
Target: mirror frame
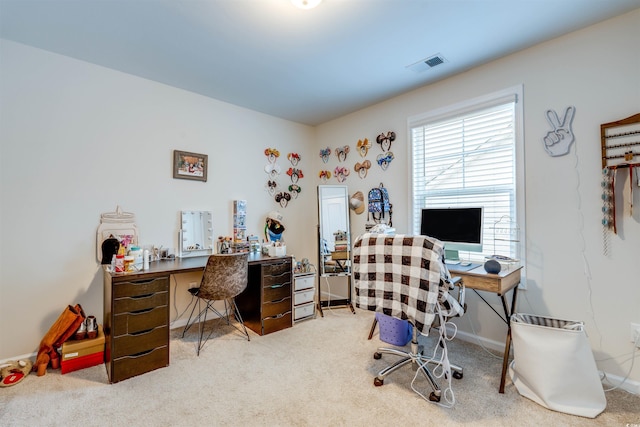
337, 193
206, 224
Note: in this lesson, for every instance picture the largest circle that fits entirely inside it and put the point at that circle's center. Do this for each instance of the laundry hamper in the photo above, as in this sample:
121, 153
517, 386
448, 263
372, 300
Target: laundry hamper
394, 331
553, 365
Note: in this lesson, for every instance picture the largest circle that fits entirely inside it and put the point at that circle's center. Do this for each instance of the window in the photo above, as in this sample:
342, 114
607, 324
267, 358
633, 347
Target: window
471, 155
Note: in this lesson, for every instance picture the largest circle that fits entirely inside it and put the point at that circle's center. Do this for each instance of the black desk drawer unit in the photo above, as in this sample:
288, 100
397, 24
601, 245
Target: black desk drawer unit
136, 326
266, 305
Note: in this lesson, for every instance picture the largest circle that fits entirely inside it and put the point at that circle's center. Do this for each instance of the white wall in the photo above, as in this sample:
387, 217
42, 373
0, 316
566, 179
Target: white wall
78, 139
596, 70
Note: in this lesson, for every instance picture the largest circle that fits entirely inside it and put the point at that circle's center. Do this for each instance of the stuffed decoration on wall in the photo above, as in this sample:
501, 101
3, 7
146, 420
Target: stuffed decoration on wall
273, 228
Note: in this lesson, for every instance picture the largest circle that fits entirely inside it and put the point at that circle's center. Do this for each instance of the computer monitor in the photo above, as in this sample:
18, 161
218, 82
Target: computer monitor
459, 228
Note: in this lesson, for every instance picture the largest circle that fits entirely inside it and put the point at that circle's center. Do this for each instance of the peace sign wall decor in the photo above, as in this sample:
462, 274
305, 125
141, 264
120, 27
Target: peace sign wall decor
558, 140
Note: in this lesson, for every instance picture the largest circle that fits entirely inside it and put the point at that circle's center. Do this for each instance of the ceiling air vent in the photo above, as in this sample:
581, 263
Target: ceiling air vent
436, 60
427, 63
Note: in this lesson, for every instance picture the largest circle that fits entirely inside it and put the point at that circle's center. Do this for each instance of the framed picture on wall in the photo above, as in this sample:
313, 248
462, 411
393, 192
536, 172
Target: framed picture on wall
188, 165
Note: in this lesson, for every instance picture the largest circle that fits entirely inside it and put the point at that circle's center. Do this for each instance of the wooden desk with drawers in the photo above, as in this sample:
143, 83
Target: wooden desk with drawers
136, 309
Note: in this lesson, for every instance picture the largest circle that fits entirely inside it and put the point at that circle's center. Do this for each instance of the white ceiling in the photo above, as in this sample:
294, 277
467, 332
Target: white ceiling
308, 66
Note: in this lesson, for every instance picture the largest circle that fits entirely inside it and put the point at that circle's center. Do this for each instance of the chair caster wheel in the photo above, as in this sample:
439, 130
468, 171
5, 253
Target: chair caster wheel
377, 355
457, 375
378, 382
434, 397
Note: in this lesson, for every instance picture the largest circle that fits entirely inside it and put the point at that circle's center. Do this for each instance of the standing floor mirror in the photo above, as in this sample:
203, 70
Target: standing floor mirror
334, 247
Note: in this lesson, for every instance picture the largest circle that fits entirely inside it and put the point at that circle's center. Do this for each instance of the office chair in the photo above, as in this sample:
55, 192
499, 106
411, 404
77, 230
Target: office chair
225, 276
417, 355
405, 277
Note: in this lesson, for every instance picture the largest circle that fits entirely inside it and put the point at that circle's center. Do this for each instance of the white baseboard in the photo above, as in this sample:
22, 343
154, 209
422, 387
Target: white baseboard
31, 356
481, 341
180, 323
613, 380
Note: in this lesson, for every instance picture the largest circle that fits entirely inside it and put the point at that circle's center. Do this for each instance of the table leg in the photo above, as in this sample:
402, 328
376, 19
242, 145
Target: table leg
373, 327
507, 346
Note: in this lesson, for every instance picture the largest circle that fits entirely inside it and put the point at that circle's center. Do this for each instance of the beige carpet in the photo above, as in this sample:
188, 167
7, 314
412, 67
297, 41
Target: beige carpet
318, 373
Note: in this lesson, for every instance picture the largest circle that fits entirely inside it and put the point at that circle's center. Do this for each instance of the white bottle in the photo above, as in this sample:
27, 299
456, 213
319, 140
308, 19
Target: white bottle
145, 265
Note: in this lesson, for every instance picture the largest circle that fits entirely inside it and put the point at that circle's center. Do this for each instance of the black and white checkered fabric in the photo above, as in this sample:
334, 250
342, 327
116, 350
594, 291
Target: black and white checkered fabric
402, 276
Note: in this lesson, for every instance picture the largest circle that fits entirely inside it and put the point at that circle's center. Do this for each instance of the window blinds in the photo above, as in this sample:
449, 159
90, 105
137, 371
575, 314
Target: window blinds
468, 160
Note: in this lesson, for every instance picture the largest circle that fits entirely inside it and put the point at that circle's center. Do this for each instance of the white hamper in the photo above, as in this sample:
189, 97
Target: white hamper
553, 365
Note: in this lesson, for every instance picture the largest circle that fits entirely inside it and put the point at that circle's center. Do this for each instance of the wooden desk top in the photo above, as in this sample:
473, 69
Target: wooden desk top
180, 265
479, 279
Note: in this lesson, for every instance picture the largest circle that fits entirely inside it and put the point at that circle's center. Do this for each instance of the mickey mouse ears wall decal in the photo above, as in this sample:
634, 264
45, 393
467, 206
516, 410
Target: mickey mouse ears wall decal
341, 173
362, 168
324, 154
384, 160
271, 186
294, 158
295, 190
283, 198
295, 174
272, 154
363, 147
324, 175
386, 140
342, 152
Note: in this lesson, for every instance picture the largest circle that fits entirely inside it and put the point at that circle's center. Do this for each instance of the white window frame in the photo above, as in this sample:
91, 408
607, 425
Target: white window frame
486, 101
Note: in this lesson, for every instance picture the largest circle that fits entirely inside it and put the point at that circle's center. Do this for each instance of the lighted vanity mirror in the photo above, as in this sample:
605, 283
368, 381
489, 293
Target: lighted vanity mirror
196, 233
334, 235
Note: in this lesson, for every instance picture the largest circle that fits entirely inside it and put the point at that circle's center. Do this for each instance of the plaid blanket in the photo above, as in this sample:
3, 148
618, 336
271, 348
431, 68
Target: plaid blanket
404, 277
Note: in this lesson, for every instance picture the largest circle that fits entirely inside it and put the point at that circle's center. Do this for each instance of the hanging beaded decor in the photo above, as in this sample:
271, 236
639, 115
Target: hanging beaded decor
608, 200
608, 208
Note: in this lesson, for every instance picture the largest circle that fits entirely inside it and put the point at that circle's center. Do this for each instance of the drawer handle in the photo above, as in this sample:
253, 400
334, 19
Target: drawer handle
278, 316
142, 332
276, 264
143, 282
145, 310
278, 301
142, 353
277, 285
142, 296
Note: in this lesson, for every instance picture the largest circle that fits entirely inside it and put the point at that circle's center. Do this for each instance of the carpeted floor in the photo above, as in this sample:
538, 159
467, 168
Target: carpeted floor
318, 373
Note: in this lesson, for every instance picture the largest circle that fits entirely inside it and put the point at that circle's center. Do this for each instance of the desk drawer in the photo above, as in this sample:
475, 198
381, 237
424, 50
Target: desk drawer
132, 344
139, 303
274, 308
140, 287
276, 269
304, 282
130, 366
303, 311
273, 324
276, 279
132, 323
276, 292
303, 296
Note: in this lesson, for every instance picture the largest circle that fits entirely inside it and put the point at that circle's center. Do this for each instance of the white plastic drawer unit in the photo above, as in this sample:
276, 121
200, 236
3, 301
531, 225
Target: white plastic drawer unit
303, 311
303, 297
305, 282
